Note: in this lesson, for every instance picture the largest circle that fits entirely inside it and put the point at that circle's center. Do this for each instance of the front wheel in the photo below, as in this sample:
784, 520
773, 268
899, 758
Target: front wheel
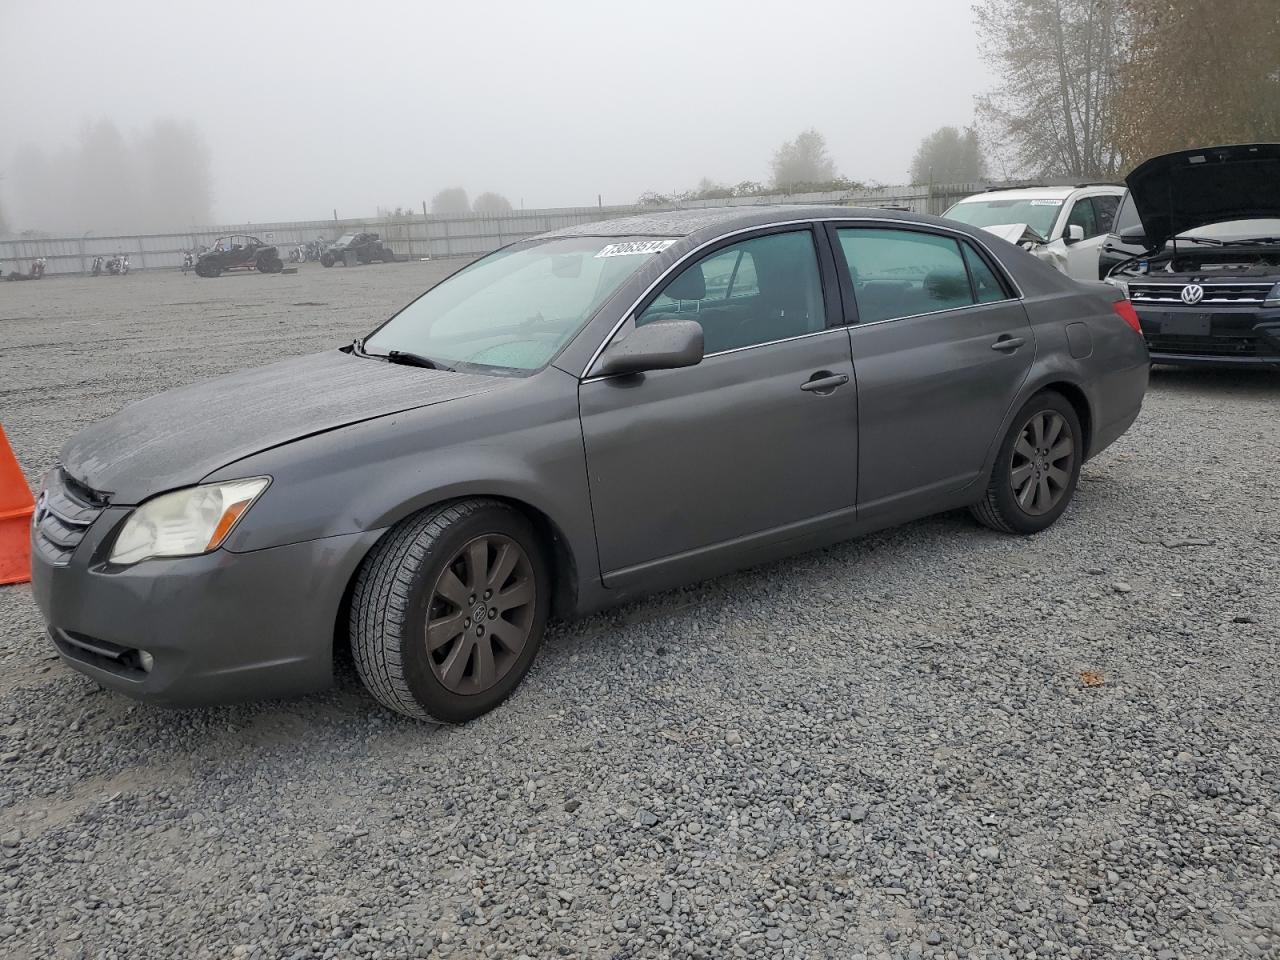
1036, 469
449, 609
327, 260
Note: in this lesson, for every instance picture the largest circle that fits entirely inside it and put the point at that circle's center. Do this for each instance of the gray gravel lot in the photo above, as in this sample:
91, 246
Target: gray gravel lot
882, 749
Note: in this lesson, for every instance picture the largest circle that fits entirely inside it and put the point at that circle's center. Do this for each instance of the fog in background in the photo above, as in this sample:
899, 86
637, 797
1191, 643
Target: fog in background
299, 109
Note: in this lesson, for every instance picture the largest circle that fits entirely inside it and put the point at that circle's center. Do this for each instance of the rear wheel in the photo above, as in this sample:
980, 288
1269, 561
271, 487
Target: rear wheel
1036, 469
327, 260
449, 609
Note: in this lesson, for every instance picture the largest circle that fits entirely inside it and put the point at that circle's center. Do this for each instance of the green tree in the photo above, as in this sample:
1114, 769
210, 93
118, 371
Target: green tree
451, 202
802, 162
949, 155
491, 204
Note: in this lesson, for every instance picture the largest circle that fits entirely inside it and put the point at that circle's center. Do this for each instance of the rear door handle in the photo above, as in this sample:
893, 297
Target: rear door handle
1008, 343
824, 382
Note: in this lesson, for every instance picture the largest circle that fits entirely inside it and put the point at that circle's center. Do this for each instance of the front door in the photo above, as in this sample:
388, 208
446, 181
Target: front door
940, 349
758, 437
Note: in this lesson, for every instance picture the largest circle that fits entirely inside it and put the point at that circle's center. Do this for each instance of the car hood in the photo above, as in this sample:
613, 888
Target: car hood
177, 438
1192, 188
1013, 232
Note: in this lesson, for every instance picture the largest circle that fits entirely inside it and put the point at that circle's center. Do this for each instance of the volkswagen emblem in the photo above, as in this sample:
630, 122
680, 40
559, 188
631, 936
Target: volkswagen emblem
1192, 294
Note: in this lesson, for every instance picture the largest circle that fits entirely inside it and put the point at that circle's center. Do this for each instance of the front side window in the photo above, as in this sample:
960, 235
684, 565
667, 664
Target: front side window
903, 273
1082, 216
1104, 209
515, 309
758, 291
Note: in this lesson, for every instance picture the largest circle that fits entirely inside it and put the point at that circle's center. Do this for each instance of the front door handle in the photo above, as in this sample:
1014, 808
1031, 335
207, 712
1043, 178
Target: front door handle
824, 382
1008, 343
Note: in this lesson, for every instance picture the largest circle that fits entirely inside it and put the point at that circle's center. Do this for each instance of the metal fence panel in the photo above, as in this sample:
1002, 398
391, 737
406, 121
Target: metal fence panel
466, 235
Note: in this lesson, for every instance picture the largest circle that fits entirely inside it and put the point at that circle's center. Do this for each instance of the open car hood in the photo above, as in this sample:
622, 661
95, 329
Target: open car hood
1189, 189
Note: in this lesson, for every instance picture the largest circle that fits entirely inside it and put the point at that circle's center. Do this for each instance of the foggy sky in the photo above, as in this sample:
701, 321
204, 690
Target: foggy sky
311, 106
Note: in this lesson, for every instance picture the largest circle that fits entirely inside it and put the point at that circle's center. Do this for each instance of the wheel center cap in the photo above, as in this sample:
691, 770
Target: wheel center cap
477, 613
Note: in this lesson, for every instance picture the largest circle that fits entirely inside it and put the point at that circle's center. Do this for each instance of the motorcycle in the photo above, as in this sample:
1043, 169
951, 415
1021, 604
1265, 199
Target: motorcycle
297, 254
96, 270
188, 261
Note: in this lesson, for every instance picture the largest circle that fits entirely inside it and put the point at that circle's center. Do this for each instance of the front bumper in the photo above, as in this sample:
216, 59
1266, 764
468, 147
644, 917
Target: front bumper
1223, 337
219, 628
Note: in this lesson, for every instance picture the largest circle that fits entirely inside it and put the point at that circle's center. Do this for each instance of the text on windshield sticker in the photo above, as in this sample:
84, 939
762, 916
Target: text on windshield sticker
634, 248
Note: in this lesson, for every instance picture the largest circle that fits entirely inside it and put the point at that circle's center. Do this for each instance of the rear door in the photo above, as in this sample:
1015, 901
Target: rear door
941, 346
757, 438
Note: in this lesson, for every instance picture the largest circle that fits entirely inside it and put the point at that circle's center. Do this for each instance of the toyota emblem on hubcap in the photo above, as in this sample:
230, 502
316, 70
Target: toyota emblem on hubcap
1192, 293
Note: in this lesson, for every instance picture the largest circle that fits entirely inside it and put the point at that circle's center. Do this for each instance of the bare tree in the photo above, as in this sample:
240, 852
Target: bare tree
490, 204
1200, 73
803, 162
451, 202
949, 155
1059, 61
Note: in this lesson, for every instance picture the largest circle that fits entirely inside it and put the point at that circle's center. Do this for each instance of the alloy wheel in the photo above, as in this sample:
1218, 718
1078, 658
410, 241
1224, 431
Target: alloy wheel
482, 610
1043, 461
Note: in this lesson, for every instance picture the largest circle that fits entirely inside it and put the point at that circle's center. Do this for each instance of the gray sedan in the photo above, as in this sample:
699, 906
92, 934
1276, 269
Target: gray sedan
575, 420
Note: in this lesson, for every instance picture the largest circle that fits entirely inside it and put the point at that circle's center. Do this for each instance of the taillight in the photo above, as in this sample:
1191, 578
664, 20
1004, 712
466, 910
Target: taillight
1124, 310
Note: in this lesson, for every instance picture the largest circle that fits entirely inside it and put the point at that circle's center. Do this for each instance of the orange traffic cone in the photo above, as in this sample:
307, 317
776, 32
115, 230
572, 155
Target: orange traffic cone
16, 507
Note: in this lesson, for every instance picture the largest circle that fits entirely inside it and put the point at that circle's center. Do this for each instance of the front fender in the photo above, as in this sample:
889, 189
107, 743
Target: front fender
521, 442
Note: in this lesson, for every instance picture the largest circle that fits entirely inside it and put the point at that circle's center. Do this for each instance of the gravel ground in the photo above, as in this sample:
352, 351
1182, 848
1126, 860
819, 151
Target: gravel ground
887, 748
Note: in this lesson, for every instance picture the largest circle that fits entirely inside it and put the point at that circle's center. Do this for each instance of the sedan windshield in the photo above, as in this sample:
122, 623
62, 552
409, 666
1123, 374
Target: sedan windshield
1038, 214
516, 308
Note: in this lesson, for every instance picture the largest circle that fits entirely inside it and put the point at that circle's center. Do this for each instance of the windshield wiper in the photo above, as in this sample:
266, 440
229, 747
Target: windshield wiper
1252, 242
416, 360
1207, 241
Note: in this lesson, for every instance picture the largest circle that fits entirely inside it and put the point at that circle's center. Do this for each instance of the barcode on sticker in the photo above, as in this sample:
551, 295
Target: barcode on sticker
1046, 203
632, 248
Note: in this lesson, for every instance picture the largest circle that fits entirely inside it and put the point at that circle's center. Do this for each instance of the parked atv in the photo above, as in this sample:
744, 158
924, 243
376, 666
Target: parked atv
367, 247
238, 253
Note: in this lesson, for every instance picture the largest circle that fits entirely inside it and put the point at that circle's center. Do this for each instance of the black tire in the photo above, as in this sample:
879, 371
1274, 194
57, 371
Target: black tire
395, 594
1000, 507
275, 265
327, 260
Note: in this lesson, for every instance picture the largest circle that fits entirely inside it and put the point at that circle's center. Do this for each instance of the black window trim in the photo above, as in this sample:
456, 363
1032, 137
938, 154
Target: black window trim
827, 279
1007, 286
822, 236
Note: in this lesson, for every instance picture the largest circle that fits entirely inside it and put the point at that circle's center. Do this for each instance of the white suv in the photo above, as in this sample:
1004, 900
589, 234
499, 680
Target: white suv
1064, 226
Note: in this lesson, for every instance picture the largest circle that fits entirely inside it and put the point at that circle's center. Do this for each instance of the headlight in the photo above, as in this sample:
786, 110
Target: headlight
1122, 284
186, 522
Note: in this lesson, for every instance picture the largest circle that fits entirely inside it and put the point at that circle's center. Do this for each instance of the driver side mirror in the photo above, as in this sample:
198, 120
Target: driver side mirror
1134, 238
661, 345
1075, 233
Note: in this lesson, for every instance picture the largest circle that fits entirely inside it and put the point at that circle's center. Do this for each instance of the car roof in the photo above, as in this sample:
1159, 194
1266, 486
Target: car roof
1045, 193
718, 220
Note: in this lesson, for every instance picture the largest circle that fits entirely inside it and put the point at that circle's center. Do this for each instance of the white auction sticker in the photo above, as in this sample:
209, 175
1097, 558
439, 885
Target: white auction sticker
634, 248
1046, 203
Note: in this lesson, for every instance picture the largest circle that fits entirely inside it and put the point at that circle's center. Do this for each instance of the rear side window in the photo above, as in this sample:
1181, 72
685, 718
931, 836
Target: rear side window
985, 285
903, 273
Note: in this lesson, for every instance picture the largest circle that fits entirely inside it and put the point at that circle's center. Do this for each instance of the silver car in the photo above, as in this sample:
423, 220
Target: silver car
573, 421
